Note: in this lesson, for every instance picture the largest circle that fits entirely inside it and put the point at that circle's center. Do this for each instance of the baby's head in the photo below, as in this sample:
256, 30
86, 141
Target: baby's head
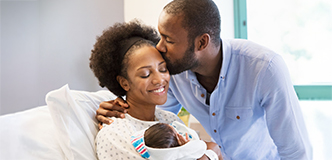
163, 138
161, 135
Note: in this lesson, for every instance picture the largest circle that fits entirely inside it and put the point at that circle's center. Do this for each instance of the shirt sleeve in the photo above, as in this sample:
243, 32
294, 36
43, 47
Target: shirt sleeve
283, 113
172, 104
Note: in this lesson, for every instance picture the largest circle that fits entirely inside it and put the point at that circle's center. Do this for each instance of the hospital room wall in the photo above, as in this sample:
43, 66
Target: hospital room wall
47, 44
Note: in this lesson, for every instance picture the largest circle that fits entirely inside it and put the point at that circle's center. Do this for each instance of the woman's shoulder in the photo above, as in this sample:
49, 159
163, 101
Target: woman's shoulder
113, 141
115, 122
129, 124
166, 116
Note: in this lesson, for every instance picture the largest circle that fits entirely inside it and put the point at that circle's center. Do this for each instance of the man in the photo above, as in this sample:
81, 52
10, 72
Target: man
239, 91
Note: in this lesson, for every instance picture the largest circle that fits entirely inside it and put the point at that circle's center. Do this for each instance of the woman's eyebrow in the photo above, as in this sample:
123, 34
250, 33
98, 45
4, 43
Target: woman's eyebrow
150, 66
143, 67
161, 63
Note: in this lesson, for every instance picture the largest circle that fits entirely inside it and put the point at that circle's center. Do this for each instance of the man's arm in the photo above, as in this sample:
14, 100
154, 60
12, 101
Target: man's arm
113, 108
283, 113
117, 108
214, 148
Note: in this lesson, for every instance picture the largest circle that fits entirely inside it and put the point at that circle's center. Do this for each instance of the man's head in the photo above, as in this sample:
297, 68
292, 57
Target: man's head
182, 25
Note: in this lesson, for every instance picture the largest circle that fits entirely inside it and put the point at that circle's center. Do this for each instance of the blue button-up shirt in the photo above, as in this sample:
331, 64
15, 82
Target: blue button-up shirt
254, 112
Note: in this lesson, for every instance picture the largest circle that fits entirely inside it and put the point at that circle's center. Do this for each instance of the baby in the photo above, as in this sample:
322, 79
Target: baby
169, 142
162, 135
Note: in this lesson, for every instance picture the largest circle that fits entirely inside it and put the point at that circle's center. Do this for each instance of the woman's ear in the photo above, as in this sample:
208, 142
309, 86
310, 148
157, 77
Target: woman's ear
202, 41
123, 82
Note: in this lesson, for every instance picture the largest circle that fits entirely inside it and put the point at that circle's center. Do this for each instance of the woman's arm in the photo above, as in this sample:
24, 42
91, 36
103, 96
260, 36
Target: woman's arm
113, 141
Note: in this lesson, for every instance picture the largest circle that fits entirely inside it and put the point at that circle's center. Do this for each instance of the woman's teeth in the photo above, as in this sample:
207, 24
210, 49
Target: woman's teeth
159, 90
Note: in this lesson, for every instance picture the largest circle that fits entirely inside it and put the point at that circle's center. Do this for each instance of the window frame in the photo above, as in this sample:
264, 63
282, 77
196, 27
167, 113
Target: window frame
304, 92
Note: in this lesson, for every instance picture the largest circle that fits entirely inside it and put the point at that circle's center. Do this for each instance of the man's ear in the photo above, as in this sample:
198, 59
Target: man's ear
202, 41
123, 82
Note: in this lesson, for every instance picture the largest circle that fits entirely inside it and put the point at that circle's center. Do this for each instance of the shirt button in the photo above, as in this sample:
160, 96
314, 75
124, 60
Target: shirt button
213, 114
215, 131
202, 95
237, 117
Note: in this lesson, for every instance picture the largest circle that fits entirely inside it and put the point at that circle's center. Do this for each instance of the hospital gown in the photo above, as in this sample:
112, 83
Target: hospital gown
113, 141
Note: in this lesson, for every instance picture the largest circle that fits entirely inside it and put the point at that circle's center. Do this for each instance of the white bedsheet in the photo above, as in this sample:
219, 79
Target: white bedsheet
29, 135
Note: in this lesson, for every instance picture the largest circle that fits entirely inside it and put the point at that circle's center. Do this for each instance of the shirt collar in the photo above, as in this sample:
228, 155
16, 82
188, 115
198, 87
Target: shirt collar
191, 76
226, 53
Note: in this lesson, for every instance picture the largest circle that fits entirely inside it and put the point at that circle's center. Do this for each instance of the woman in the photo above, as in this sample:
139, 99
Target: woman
124, 59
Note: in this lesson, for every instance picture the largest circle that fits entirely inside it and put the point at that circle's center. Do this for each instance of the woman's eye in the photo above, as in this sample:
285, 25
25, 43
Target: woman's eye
145, 76
164, 70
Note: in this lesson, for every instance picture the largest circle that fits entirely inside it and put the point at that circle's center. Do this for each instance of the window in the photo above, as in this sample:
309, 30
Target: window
300, 31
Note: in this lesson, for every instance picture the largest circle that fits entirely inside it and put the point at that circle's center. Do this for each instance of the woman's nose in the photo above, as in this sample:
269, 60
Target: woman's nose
158, 79
161, 47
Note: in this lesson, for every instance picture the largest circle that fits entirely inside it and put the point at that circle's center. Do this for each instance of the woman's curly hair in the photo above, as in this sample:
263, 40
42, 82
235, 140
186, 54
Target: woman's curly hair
107, 62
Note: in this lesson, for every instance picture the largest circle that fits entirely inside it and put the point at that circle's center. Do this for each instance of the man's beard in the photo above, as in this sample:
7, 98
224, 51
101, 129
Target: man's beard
189, 61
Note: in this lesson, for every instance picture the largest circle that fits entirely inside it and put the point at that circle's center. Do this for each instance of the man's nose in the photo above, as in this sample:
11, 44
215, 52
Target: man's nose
161, 47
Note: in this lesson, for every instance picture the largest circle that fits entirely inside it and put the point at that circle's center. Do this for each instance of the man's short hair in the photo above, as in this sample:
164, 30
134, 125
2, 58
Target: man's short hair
200, 16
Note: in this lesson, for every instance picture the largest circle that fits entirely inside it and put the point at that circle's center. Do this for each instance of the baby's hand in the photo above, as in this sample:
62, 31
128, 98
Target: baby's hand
181, 139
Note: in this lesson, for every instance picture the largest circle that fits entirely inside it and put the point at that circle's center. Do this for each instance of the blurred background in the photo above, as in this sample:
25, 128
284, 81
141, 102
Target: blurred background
46, 44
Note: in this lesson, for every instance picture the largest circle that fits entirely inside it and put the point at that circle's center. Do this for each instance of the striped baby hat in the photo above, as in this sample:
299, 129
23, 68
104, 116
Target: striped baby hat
137, 140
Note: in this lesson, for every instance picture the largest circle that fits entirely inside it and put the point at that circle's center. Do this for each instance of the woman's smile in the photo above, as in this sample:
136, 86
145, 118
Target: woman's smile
159, 91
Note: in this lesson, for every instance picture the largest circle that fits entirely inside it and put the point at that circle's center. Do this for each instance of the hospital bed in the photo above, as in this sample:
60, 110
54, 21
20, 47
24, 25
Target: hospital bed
63, 129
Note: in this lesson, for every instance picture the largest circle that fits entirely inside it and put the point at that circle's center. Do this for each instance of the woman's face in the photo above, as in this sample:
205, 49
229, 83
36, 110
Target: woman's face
148, 77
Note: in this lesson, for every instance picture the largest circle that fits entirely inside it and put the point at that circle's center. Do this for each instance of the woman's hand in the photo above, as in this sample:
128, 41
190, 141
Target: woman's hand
113, 108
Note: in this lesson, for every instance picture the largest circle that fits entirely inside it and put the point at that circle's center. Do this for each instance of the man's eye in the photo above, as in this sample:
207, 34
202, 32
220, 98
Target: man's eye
169, 41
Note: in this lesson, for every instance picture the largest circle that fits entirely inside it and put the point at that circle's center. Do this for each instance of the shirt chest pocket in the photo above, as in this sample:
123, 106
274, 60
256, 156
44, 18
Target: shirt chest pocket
239, 113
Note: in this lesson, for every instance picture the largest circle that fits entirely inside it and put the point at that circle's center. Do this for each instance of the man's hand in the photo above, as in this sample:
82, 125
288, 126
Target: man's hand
113, 108
214, 147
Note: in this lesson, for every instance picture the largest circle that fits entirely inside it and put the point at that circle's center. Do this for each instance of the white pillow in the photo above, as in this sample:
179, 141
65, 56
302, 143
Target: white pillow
29, 135
73, 113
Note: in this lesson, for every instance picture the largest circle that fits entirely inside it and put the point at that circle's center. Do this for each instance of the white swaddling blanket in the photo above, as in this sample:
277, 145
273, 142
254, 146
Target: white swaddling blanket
193, 149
